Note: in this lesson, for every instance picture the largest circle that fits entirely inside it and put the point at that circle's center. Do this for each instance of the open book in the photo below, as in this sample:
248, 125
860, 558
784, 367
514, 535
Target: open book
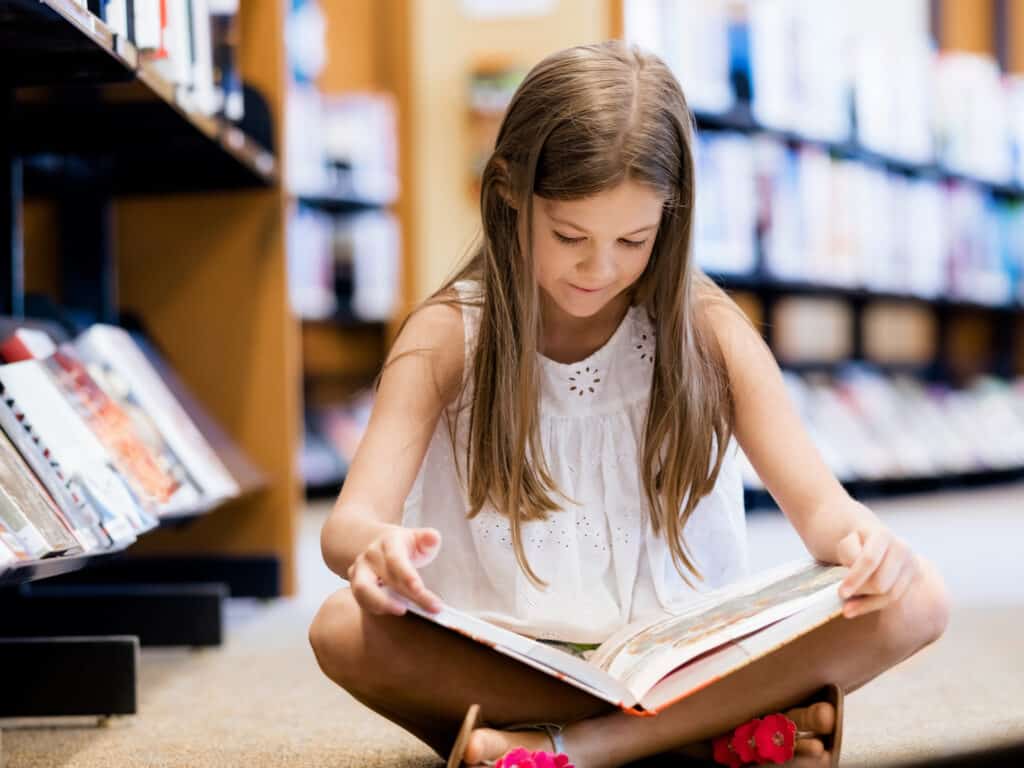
647, 666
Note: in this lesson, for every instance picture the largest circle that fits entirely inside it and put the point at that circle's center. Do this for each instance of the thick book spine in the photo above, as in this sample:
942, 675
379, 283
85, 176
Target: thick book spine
203, 90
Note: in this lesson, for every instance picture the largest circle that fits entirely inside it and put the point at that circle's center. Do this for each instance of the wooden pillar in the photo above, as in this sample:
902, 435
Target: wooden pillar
966, 25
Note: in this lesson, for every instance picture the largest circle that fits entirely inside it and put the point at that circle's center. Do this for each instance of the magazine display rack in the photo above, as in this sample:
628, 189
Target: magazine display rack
140, 207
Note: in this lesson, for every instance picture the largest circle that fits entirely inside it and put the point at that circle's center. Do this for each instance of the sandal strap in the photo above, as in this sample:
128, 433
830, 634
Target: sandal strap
553, 730
555, 734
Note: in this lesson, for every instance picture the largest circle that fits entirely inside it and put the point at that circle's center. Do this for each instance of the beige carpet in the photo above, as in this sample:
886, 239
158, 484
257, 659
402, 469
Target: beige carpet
261, 701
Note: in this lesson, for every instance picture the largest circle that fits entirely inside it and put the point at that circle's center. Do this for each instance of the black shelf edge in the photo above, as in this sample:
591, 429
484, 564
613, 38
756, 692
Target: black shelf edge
766, 284
33, 570
758, 498
740, 119
346, 322
338, 202
323, 488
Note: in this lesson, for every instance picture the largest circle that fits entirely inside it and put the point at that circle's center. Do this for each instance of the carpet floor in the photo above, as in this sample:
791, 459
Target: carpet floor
261, 701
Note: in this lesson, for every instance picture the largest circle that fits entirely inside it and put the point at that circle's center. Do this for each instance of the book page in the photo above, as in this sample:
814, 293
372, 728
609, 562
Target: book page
724, 660
640, 657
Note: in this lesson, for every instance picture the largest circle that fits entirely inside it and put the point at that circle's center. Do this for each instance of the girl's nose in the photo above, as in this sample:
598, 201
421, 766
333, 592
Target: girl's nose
598, 265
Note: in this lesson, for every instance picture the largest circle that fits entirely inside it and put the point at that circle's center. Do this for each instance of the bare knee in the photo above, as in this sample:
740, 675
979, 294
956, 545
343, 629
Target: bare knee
335, 636
920, 617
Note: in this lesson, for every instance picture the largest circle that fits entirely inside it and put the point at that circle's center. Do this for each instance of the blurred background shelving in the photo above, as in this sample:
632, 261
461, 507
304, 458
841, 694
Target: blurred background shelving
861, 196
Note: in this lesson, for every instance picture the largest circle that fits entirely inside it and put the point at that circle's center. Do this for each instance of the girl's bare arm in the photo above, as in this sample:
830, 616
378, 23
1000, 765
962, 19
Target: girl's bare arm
771, 433
421, 378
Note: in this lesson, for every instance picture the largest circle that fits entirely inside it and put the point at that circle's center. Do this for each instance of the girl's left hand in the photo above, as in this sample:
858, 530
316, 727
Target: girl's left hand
882, 568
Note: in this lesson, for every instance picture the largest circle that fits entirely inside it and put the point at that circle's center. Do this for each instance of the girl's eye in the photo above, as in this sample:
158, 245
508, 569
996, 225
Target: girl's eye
569, 240
577, 240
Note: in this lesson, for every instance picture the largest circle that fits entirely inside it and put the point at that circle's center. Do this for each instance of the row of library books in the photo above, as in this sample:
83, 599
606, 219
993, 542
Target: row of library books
345, 266
837, 71
799, 214
873, 427
867, 426
97, 445
192, 43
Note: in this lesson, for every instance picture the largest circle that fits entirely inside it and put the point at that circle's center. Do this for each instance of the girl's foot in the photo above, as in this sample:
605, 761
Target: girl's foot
819, 718
490, 744
809, 752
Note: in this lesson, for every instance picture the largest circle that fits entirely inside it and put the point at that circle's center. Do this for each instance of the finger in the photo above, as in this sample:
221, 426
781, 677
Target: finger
848, 549
426, 545
404, 579
369, 593
890, 569
859, 606
906, 578
867, 562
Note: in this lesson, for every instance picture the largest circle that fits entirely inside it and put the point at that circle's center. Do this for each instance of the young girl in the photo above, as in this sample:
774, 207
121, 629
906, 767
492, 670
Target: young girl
553, 448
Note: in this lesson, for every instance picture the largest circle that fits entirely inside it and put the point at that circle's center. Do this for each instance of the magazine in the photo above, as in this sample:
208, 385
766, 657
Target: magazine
21, 494
647, 666
113, 349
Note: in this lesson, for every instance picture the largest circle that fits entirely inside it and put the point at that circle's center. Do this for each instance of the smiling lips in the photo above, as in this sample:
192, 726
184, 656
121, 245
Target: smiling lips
586, 290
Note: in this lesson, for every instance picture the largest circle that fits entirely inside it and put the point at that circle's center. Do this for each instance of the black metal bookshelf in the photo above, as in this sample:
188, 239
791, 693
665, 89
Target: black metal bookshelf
740, 119
83, 118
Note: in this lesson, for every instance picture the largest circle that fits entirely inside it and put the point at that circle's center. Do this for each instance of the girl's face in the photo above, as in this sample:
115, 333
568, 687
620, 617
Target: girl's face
589, 251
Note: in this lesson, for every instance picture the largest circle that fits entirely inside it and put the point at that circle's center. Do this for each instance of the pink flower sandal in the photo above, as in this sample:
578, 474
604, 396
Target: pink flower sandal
516, 758
772, 739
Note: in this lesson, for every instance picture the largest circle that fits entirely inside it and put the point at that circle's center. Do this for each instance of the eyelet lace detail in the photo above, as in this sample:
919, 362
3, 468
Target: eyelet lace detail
584, 380
644, 346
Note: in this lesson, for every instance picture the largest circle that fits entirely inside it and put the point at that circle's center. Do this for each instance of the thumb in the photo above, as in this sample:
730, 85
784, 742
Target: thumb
426, 543
849, 548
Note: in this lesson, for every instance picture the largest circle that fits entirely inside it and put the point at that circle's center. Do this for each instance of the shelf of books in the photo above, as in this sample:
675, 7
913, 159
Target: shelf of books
88, 87
149, 411
869, 218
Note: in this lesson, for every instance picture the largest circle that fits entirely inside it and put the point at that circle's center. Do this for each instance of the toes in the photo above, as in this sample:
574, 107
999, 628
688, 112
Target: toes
809, 747
818, 718
822, 717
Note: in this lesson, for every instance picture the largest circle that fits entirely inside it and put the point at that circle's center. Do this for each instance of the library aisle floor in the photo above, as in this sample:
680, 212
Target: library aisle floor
261, 701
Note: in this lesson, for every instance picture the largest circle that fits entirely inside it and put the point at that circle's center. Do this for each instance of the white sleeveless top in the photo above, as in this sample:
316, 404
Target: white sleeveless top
603, 565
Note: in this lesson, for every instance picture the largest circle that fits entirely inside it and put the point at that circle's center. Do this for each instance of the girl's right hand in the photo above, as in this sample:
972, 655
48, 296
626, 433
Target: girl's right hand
390, 562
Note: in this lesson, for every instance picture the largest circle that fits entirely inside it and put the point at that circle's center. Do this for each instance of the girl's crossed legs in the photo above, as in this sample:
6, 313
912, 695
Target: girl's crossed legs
423, 678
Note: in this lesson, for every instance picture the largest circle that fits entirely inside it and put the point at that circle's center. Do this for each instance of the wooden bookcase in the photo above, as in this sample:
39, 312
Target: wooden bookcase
196, 243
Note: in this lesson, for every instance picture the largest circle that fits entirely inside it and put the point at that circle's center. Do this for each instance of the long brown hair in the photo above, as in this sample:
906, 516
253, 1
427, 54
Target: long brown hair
584, 120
